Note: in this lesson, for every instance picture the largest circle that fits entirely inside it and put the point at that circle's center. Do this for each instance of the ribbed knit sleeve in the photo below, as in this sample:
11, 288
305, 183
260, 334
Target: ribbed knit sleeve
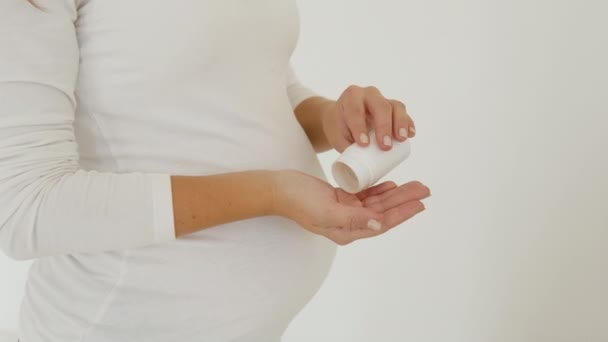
48, 205
297, 91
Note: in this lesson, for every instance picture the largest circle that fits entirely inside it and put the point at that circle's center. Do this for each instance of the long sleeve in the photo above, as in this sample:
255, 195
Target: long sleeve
296, 91
48, 205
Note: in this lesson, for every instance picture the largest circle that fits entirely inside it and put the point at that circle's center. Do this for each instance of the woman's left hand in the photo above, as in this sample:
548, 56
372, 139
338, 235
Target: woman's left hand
357, 111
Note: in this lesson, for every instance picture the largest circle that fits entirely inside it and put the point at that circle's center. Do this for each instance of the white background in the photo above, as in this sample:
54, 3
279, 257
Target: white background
510, 100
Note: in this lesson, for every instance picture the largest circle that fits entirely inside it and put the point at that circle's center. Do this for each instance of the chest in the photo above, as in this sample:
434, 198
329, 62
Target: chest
187, 36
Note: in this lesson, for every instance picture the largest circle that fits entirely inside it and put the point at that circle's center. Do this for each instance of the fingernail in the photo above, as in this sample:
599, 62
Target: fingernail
403, 132
364, 139
413, 129
388, 141
374, 225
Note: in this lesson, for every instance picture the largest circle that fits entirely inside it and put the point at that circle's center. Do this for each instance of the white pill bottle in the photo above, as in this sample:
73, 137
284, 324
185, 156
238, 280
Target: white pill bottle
358, 168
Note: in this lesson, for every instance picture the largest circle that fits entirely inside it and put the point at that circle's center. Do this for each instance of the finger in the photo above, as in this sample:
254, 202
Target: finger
390, 199
344, 140
402, 213
353, 218
381, 111
401, 120
412, 127
391, 219
344, 237
376, 190
353, 112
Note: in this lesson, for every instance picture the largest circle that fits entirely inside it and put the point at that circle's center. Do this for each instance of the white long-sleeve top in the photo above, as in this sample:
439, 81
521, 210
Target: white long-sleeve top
100, 102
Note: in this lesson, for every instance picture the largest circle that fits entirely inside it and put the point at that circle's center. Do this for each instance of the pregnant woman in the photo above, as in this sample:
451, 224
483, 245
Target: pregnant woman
158, 161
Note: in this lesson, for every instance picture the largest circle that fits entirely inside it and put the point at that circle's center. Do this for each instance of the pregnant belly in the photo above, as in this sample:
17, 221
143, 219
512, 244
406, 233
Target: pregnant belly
230, 282
243, 281
237, 280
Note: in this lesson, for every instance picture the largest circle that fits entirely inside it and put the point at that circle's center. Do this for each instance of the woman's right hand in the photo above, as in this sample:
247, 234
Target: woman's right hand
343, 217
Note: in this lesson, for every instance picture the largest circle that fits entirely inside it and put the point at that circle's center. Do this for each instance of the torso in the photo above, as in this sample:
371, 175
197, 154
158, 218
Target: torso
191, 87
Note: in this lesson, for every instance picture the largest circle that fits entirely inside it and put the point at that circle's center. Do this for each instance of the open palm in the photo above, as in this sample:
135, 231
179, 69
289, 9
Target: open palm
344, 217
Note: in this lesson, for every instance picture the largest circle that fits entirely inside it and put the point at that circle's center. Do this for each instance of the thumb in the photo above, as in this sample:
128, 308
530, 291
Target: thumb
353, 218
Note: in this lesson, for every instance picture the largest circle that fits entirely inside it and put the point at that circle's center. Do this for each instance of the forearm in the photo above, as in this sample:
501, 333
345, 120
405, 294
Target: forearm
207, 201
310, 114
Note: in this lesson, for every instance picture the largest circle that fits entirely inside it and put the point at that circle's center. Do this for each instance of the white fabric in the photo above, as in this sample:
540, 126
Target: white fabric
7, 337
100, 102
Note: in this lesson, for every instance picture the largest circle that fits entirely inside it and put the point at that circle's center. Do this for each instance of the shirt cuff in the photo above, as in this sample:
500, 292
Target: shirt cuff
164, 223
298, 93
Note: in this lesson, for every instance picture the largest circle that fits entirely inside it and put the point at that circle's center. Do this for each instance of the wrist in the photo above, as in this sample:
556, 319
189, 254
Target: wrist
327, 110
274, 200
283, 195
